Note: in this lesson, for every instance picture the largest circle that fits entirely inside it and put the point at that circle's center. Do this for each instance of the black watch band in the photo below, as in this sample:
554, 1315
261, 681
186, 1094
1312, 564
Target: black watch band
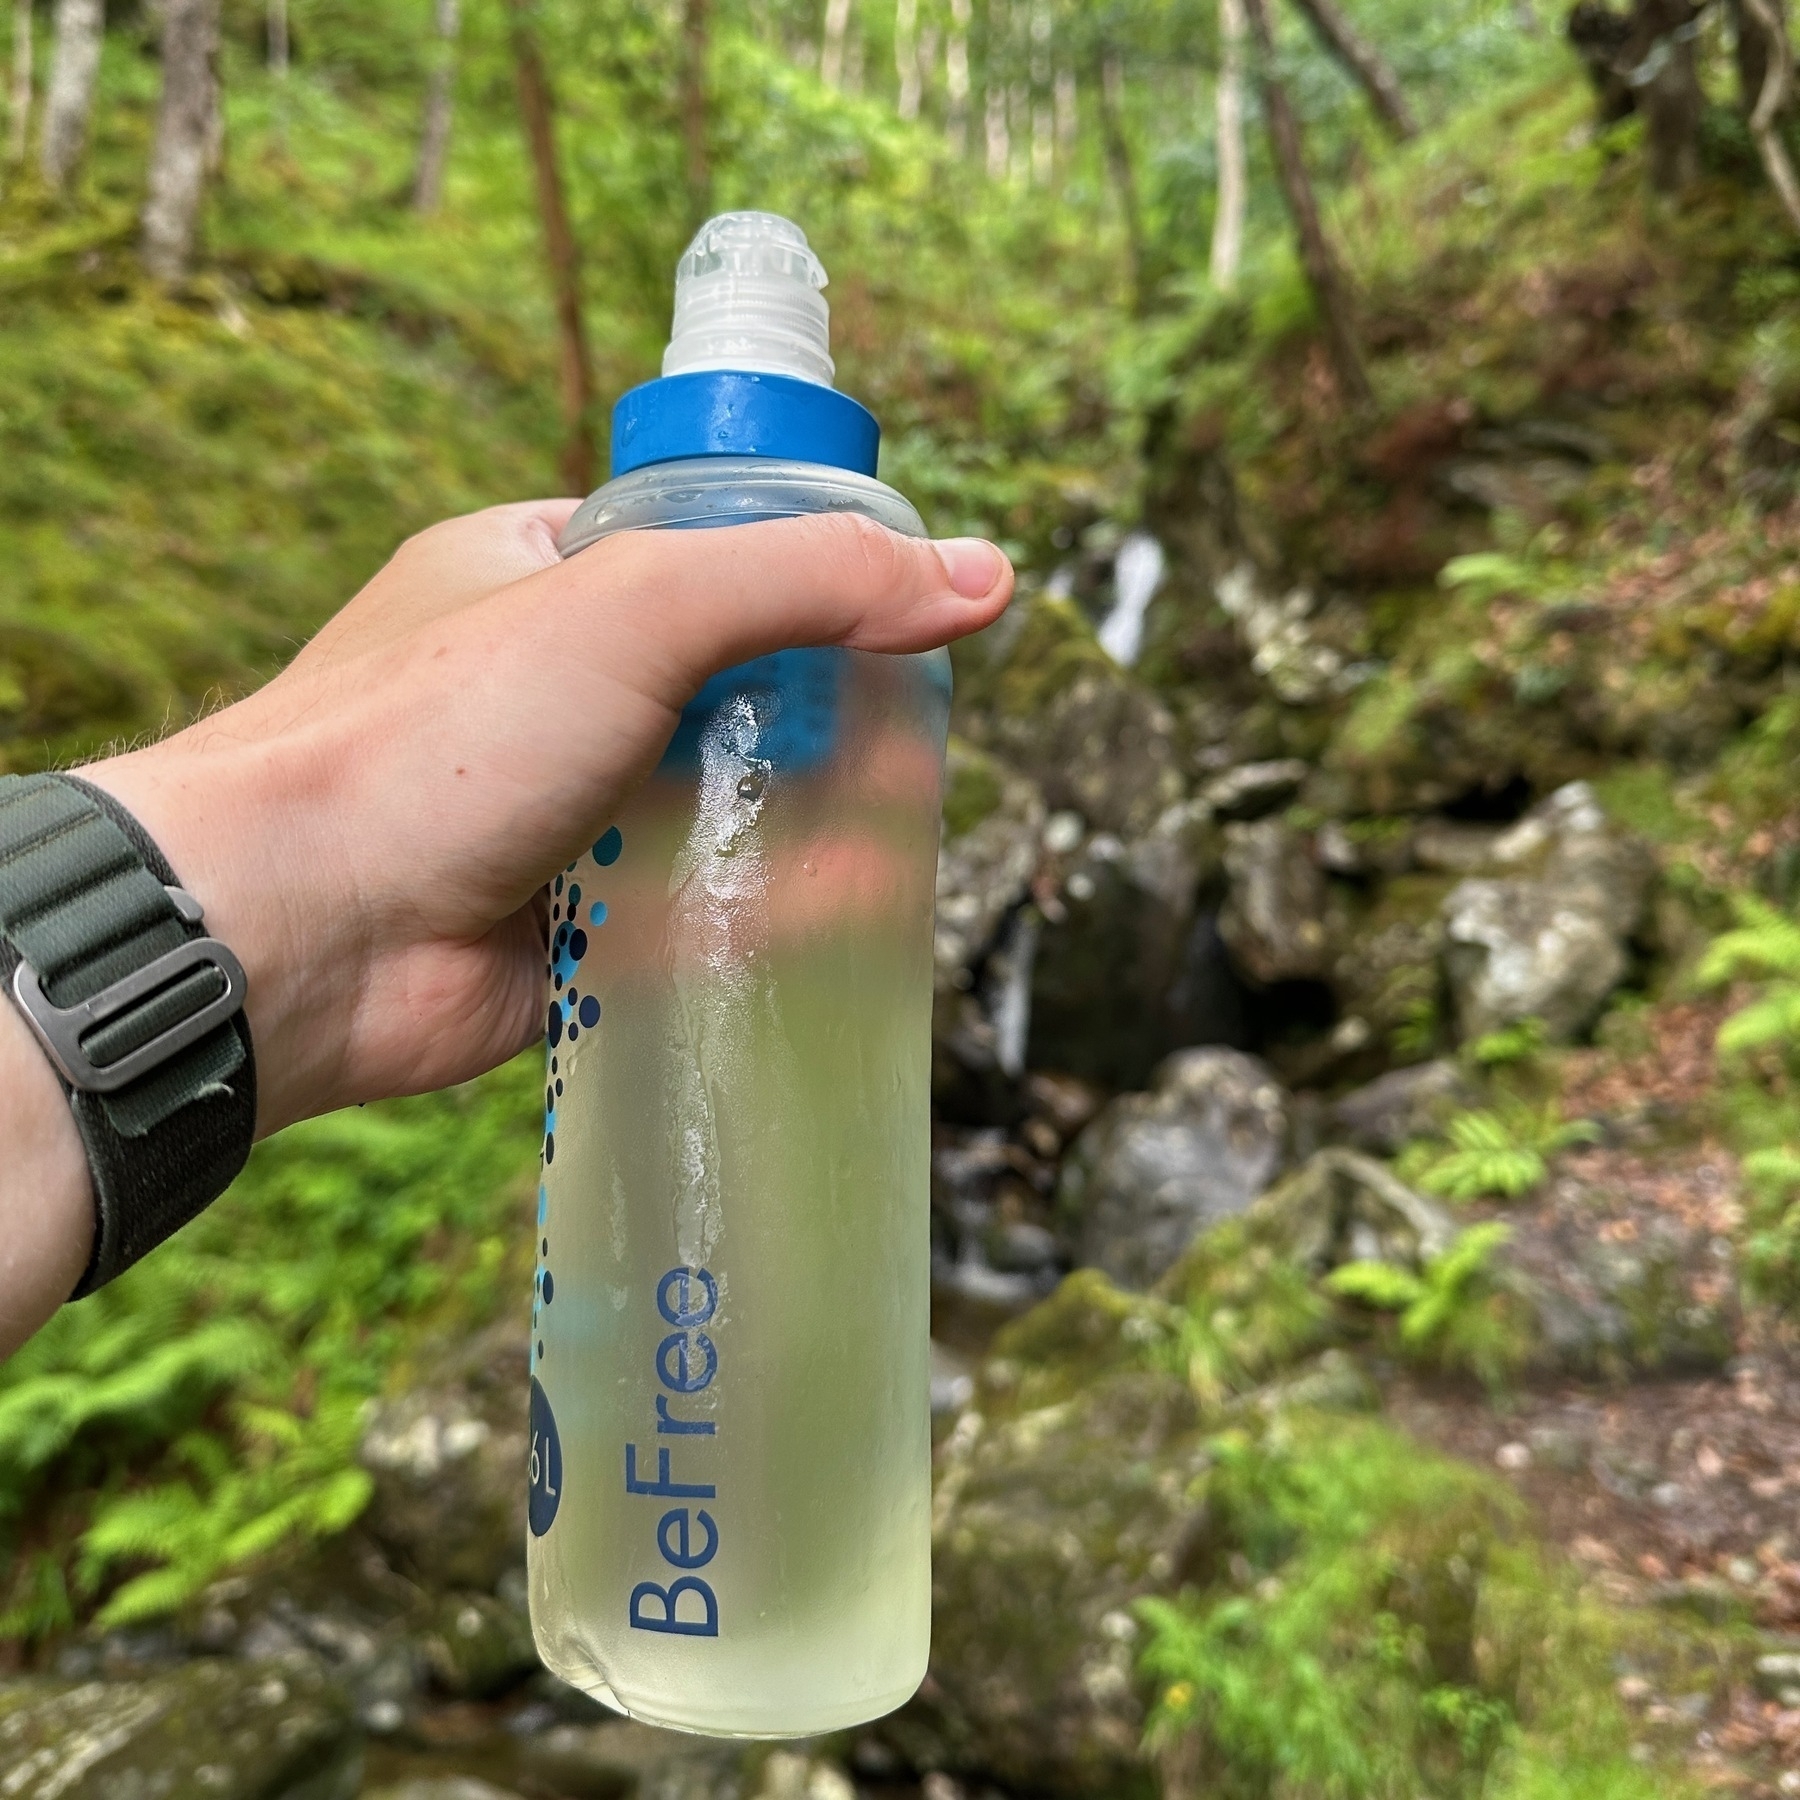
140, 1012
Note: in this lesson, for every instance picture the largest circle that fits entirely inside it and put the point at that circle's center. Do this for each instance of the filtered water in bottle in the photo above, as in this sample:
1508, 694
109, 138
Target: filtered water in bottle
730, 1433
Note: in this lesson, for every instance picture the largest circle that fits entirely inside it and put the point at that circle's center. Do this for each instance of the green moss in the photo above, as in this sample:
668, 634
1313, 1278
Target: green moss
1388, 1633
1045, 653
1642, 797
972, 788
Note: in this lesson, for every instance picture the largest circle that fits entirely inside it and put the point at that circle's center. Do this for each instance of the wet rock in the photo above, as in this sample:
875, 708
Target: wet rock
477, 1647
1658, 1304
1454, 847
1047, 1527
1109, 995
952, 1381
1038, 690
993, 823
441, 1787
1386, 970
1274, 918
1156, 1168
1399, 1106
625, 1759
1253, 790
240, 1732
448, 1461
789, 1775
1553, 941
1778, 1677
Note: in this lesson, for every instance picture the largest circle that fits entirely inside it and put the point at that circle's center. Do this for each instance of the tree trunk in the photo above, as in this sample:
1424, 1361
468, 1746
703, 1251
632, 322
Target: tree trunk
186, 136
999, 144
831, 46
1111, 88
440, 106
956, 76
906, 57
18, 118
1750, 51
69, 102
1316, 256
1660, 57
694, 58
1777, 91
1228, 215
1365, 64
537, 109
276, 28
1644, 62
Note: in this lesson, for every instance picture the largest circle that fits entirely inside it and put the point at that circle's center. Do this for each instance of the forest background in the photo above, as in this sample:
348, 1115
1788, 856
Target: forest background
282, 282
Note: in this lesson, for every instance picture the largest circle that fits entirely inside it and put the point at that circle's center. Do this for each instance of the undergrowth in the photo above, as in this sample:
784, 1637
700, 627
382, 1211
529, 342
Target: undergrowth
1385, 1630
205, 1409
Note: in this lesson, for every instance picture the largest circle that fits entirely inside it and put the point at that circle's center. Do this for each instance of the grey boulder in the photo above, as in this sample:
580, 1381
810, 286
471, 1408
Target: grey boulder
1155, 1169
1552, 941
1274, 920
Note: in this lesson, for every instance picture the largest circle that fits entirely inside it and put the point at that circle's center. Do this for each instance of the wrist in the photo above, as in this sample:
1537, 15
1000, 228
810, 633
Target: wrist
47, 1227
228, 815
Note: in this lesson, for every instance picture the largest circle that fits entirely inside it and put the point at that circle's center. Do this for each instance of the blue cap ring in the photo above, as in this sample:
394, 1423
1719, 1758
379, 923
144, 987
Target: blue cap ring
733, 412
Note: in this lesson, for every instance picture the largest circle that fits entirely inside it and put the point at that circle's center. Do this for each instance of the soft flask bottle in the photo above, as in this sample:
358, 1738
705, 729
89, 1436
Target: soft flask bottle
730, 1413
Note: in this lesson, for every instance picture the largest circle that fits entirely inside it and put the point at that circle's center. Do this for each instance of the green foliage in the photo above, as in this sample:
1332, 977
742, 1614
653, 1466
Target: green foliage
1384, 1637
1510, 1044
211, 1399
1455, 1315
1764, 947
1495, 1154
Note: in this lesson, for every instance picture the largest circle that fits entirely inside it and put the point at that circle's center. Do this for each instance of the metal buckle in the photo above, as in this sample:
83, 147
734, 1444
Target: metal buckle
60, 1030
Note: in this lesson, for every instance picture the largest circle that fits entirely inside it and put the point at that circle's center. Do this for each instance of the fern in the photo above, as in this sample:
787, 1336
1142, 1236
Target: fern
1499, 1155
212, 1397
1515, 1043
1456, 1314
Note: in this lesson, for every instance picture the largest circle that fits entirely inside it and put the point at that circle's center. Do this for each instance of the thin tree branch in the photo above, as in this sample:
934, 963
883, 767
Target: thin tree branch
1316, 255
1777, 90
537, 109
1365, 64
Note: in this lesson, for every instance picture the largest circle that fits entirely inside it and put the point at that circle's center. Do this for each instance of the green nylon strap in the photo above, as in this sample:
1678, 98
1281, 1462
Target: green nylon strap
84, 900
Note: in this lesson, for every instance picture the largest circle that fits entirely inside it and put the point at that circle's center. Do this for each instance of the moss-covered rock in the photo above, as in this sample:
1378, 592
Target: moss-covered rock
1386, 969
1040, 691
210, 1730
1050, 1523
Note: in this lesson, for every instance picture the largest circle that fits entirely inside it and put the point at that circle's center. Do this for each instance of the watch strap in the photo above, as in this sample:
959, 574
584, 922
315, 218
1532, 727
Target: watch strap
118, 975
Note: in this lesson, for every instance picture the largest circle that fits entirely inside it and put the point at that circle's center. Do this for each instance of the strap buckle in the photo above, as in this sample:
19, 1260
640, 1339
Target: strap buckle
61, 1030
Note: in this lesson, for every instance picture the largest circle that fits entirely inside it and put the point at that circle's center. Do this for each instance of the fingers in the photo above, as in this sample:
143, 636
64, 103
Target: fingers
443, 569
697, 601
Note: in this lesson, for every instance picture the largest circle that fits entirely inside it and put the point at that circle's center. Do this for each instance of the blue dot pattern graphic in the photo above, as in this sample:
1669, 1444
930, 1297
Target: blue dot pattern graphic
571, 1011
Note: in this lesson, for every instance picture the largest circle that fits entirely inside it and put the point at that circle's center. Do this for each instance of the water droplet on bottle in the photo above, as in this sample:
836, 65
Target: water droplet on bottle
810, 867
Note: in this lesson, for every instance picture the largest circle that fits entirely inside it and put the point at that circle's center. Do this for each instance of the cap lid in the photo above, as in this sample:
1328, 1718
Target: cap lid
748, 295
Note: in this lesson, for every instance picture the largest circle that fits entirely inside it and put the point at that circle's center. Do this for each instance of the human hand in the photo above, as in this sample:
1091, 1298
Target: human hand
370, 831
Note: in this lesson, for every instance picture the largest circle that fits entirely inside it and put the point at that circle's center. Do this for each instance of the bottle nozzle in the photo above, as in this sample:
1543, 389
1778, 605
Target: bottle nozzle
748, 296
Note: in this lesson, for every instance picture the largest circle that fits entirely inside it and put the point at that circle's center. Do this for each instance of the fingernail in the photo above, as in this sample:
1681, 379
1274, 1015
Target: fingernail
973, 565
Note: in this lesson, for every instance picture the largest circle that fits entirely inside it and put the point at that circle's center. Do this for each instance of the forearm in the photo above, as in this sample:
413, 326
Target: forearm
46, 1208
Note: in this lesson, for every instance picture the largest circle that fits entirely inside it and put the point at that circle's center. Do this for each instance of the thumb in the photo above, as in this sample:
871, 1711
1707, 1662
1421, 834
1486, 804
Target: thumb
699, 601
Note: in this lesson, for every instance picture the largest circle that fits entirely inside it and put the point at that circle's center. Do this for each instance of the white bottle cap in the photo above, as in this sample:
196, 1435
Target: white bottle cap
747, 296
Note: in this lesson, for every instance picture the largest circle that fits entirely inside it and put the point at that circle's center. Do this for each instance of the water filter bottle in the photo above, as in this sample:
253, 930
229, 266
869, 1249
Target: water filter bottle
730, 1413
